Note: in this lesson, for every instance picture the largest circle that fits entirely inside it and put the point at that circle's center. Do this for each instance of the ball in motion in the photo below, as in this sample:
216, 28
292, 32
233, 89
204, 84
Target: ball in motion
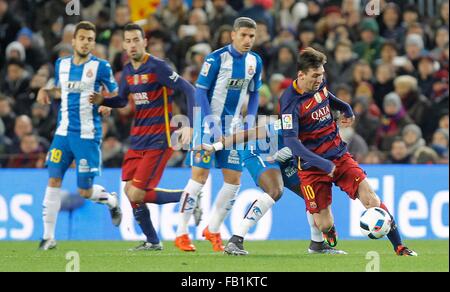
375, 223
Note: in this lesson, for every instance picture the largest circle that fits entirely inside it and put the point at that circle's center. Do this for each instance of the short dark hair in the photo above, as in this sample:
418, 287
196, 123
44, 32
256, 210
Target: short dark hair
310, 58
246, 22
133, 26
86, 25
15, 62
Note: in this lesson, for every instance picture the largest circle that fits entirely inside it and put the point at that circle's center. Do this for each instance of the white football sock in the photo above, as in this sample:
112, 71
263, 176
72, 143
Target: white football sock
51, 206
187, 204
224, 202
100, 195
256, 211
316, 235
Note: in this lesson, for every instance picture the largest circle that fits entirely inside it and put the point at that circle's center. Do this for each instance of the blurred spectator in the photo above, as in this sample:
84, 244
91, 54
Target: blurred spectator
222, 37
266, 103
440, 144
355, 143
361, 72
43, 120
374, 156
285, 62
412, 135
173, 14
30, 154
306, 35
275, 85
259, 11
35, 54
369, 47
290, 13
399, 153
441, 40
425, 74
416, 104
410, 15
366, 124
393, 121
391, 28
343, 92
443, 15
16, 84
425, 155
384, 82
5, 145
222, 14
9, 27
7, 115
112, 152
414, 47
339, 69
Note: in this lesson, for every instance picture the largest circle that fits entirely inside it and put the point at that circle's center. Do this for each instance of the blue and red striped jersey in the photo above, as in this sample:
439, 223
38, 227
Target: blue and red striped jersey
308, 116
151, 88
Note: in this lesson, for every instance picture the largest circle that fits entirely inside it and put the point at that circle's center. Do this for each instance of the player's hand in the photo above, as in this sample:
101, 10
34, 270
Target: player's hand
346, 122
104, 111
185, 135
43, 97
331, 174
96, 98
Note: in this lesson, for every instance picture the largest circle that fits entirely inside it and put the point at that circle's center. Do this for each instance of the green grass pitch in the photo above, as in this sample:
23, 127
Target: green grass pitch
266, 256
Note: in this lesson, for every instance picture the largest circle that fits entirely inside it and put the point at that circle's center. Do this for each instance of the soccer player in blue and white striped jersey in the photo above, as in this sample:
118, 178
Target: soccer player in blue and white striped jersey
79, 131
230, 77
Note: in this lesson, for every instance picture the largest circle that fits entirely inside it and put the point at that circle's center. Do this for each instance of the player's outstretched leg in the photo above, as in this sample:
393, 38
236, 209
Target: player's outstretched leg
99, 195
142, 216
51, 206
369, 199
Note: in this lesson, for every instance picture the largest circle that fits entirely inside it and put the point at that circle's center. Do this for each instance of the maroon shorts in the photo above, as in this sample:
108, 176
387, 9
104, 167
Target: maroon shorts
316, 185
146, 167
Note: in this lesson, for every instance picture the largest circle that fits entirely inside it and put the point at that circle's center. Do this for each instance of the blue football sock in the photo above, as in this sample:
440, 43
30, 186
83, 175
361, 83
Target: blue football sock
142, 217
167, 196
394, 234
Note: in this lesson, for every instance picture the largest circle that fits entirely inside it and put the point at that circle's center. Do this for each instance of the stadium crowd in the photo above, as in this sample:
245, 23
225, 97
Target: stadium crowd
392, 67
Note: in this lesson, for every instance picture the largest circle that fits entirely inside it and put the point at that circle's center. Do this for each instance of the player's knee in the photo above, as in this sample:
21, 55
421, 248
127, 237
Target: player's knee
55, 182
275, 192
135, 195
200, 176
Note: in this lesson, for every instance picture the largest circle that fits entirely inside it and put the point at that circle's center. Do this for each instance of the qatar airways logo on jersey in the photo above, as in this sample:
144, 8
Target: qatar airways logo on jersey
140, 98
322, 114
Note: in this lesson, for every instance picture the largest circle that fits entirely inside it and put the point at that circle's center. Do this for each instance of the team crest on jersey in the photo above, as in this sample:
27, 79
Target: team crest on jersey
144, 78
312, 205
287, 121
89, 73
251, 70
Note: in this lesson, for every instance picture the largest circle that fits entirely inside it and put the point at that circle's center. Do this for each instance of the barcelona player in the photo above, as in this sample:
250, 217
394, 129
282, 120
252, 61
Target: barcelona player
311, 133
150, 83
271, 175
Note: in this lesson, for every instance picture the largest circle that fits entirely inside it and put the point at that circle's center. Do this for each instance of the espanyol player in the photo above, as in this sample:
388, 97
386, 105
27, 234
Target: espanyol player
79, 129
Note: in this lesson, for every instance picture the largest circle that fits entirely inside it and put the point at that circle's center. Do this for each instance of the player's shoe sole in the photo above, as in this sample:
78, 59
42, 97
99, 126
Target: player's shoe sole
147, 246
233, 249
323, 248
47, 244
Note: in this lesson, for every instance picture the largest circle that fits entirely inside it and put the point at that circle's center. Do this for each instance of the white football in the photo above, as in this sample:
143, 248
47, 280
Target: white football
375, 223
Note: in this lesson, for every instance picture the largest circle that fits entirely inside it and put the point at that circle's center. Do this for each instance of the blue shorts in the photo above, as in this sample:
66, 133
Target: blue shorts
255, 165
227, 159
85, 152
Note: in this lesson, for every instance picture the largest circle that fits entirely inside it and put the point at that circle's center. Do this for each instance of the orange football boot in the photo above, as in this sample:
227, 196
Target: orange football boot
214, 238
184, 243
